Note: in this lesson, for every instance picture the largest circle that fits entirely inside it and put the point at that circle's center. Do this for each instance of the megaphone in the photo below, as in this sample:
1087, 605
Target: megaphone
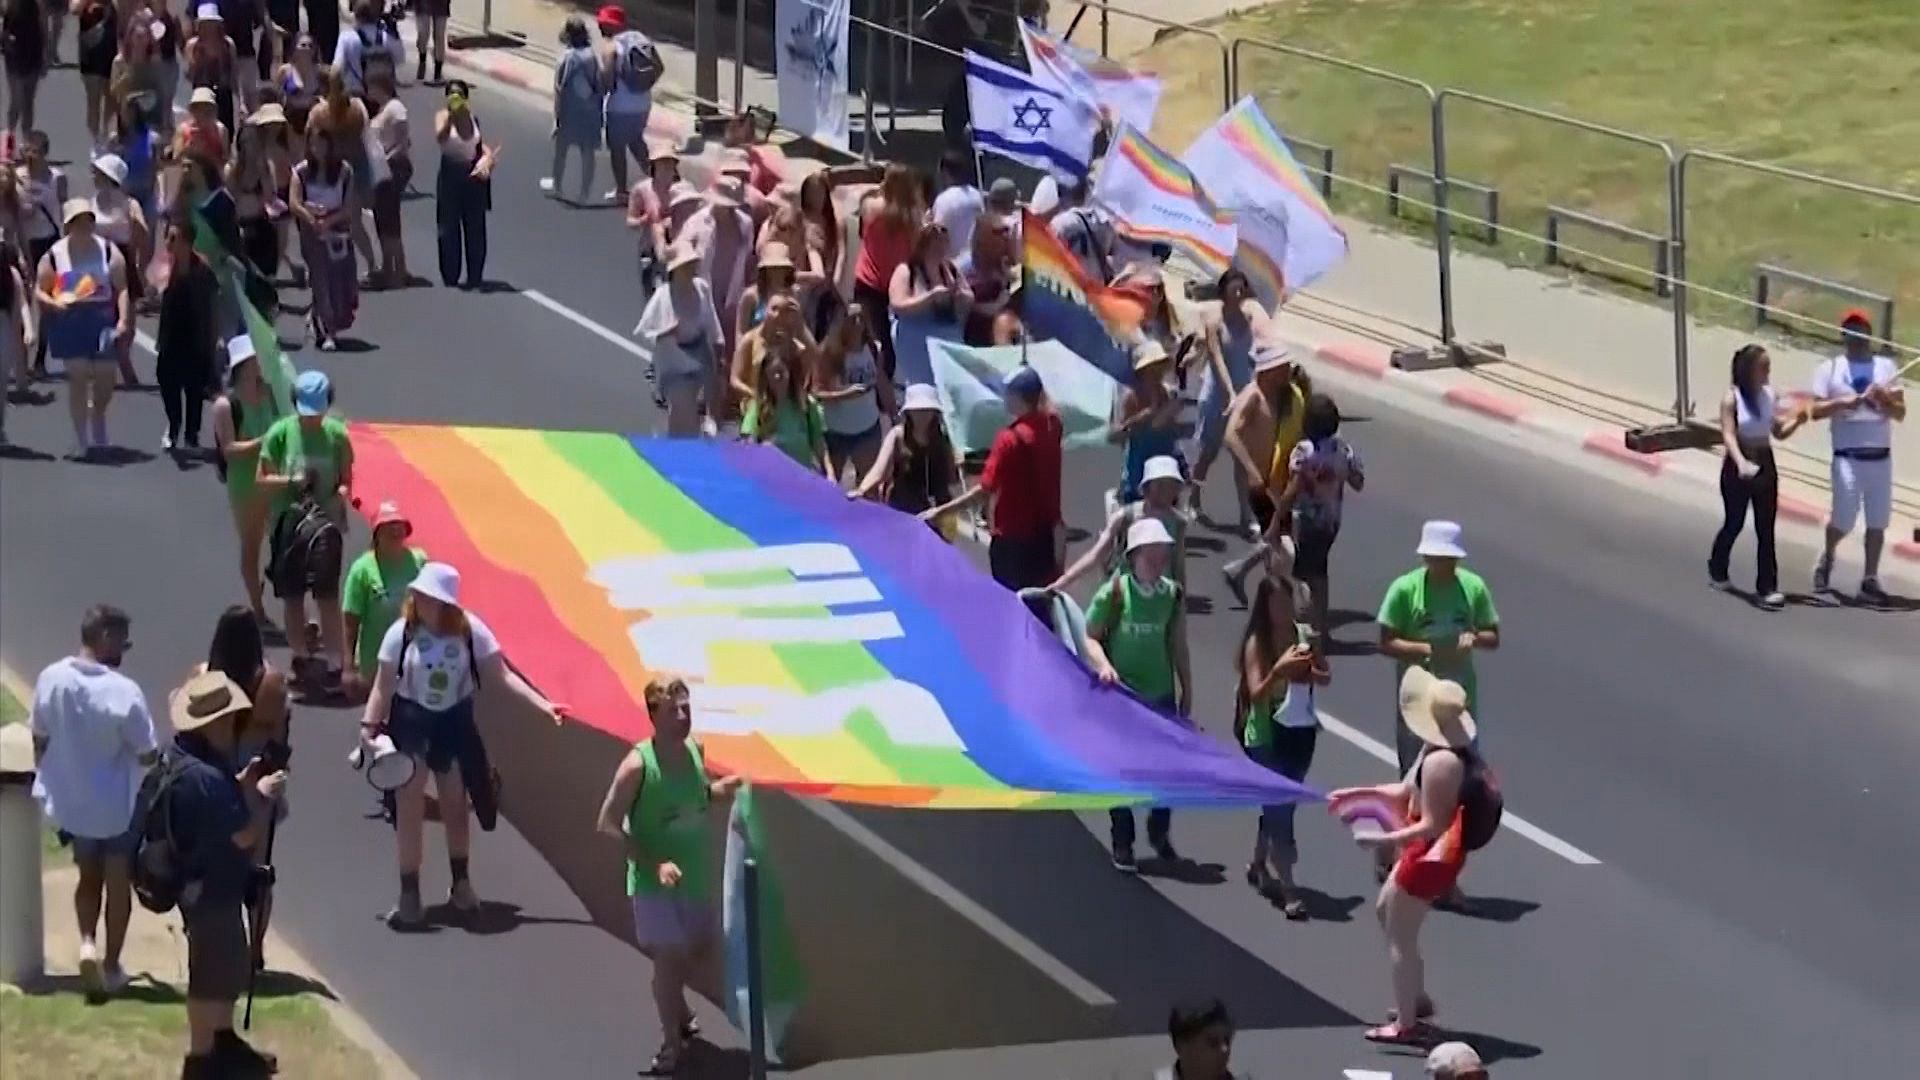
386, 767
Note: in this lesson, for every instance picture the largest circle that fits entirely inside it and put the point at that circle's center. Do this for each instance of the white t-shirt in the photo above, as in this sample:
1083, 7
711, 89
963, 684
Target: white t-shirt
438, 674
959, 209
97, 727
1865, 427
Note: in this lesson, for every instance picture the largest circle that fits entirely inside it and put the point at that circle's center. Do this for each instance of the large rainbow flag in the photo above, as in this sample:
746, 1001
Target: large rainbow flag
1154, 199
834, 648
1060, 300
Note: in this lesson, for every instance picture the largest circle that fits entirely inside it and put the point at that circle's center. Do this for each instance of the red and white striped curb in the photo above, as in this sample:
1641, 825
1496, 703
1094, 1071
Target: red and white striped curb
1607, 442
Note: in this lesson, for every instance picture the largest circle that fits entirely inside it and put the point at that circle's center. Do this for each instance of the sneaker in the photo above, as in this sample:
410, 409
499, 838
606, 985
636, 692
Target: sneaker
90, 979
617, 197
546, 185
240, 1056
407, 913
1773, 601
1124, 861
113, 978
166, 442
1870, 590
1823, 577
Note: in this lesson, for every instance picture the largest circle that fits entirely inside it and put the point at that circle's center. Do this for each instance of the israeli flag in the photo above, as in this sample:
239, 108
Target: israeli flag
1018, 118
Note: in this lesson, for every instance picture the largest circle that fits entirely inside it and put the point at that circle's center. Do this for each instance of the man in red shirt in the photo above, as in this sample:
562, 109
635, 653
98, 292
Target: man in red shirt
1023, 476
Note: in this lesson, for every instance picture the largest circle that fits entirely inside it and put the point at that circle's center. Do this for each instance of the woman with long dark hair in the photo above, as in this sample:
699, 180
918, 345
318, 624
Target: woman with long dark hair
784, 412
1228, 351
345, 117
1275, 721
464, 191
1750, 419
325, 205
853, 393
916, 469
433, 662
238, 652
255, 179
186, 337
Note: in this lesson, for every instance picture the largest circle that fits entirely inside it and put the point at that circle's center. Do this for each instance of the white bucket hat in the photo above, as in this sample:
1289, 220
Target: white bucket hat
1441, 540
1147, 531
1271, 355
920, 396
239, 351
438, 581
1160, 468
113, 167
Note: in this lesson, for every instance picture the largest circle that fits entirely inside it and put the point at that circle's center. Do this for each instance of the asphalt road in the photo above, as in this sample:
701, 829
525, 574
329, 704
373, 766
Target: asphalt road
1738, 783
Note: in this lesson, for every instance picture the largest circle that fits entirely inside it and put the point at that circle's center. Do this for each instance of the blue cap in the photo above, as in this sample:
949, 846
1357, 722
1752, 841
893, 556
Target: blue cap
311, 393
1025, 383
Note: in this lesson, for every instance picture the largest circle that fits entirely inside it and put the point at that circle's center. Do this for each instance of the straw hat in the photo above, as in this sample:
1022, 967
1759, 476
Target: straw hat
1148, 353
776, 256
734, 162
267, 115
438, 581
206, 698
1435, 710
679, 255
203, 95
727, 191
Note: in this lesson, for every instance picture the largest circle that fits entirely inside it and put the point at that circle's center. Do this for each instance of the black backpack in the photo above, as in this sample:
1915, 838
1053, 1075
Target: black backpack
1481, 804
160, 864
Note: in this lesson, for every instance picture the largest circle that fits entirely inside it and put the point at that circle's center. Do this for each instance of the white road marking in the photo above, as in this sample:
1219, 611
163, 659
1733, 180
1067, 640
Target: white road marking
1366, 1074
963, 905
1374, 748
619, 341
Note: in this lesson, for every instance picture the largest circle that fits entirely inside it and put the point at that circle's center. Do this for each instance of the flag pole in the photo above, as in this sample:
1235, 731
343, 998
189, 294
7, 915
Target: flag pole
756, 982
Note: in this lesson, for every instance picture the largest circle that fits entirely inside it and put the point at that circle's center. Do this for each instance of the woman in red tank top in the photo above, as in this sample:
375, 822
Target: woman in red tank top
889, 220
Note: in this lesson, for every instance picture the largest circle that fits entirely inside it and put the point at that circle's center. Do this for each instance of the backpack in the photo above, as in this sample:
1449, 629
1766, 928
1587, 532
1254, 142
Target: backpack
636, 62
376, 53
1481, 804
159, 865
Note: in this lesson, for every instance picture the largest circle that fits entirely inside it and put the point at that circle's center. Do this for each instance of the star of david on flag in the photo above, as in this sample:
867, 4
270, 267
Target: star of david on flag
1017, 118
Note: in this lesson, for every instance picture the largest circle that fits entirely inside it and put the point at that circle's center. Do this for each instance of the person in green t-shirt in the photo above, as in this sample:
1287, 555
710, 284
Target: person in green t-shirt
371, 597
785, 414
1437, 617
1137, 636
308, 454
657, 806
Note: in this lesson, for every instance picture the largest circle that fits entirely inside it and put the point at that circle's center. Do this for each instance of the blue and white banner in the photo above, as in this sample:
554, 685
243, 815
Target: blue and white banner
810, 66
1018, 118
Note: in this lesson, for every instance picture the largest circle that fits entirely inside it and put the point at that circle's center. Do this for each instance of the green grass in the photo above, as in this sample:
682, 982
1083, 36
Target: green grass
1812, 84
142, 1034
12, 709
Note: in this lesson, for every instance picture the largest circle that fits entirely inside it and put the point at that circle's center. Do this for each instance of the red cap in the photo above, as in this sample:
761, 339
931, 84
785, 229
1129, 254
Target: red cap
389, 514
1856, 315
612, 15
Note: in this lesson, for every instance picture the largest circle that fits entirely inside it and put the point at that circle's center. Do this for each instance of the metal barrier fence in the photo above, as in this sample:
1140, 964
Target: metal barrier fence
1410, 133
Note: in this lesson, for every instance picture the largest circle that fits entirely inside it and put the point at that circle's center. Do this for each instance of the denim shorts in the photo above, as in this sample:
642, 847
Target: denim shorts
436, 738
87, 849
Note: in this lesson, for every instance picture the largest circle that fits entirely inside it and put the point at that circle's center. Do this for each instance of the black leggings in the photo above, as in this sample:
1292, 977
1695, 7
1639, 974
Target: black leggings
461, 212
1736, 492
183, 392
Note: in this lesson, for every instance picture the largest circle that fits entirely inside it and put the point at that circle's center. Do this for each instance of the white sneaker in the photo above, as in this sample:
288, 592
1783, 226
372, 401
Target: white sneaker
166, 442
546, 184
616, 196
89, 966
1774, 601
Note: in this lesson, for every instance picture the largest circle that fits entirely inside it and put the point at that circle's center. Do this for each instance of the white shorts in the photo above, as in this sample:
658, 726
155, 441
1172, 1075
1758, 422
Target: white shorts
1861, 484
672, 920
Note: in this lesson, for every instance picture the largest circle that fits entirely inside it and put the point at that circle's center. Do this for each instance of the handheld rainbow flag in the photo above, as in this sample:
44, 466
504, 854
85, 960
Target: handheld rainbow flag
1060, 300
834, 648
1154, 199
76, 286
1288, 237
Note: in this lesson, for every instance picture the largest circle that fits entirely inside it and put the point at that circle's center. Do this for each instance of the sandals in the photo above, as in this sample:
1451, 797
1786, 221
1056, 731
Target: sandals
1423, 1009
666, 1061
1393, 1033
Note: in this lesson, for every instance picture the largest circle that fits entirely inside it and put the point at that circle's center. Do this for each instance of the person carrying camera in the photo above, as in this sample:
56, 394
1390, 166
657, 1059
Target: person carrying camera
306, 469
218, 816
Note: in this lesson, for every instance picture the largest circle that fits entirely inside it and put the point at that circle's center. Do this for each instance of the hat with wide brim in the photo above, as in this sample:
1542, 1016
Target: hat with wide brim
438, 581
1435, 710
679, 255
391, 514
727, 192
735, 162
113, 167
203, 95
776, 256
1148, 353
663, 152
74, 209
1271, 356
1147, 532
1440, 540
205, 699
1162, 467
240, 350
267, 115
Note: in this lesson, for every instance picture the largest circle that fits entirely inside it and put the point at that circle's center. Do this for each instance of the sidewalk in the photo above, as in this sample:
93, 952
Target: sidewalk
1582, 365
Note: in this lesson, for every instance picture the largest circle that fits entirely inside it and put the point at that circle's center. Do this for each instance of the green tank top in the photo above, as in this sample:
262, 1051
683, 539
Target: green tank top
1257, 729
252, 423
670, 821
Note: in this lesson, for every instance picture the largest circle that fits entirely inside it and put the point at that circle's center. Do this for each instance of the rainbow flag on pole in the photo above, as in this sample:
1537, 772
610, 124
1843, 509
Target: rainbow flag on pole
1154, 199
1288, 237
1060, 300
834, 648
